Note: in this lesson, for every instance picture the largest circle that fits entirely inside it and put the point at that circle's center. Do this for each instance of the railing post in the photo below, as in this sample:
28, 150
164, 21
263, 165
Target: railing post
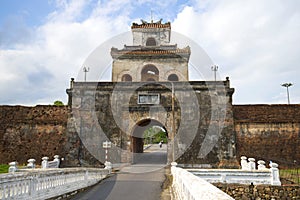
251, 164
45, 162
31, 163
244, 163
13, 167
56, 158
274, 174
261, 165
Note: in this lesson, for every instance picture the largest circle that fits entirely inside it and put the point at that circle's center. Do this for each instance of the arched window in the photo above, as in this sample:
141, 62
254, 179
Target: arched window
173, 77
149, 73
151, 42
126, 77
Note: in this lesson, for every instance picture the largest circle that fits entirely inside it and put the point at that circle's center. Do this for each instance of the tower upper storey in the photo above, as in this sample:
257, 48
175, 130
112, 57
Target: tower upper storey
151, 34
151, 57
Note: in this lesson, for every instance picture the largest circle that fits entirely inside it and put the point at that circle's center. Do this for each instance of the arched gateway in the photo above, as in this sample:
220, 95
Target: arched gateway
139, 137
120, 111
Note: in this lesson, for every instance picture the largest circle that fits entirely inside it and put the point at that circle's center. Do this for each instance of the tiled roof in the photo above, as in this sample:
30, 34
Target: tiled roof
116, 53
151, 25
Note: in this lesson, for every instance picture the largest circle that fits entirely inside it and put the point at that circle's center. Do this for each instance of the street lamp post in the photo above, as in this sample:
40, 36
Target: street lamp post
214, 68
173, 124
287, 85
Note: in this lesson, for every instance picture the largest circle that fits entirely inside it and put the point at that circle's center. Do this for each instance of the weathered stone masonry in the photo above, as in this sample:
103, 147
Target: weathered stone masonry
260, 191
111, 96
32, 132
269, 132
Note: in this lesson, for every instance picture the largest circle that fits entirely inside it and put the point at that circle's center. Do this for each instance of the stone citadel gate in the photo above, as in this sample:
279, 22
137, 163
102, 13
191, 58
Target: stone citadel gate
150, 87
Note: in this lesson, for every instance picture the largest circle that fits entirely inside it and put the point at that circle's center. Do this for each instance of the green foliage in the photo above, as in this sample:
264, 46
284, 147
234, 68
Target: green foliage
4, 168
154, 135
58, 103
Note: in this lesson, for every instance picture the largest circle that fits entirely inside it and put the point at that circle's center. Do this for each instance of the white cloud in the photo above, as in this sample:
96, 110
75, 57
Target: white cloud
56, 52
252, 41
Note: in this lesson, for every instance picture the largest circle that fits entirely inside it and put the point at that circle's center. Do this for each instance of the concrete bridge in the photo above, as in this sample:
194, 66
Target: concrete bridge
140, 180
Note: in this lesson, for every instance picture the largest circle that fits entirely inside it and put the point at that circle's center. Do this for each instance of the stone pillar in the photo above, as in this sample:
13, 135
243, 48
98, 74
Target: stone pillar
261, 165
108, 166
56, 159
31, 163
274, 174
244, 163
45, 162
252, 165
13, 167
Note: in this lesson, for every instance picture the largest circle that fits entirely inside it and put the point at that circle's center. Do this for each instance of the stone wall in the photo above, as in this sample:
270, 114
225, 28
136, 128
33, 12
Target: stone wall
268, 132
114, 106
32, 132
260, 191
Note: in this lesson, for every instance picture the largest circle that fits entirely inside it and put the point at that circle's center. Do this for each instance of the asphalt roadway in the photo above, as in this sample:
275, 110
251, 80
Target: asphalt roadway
141, 180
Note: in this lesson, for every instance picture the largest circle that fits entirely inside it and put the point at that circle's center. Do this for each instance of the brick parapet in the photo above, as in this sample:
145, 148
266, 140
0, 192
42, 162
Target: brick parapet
264, 113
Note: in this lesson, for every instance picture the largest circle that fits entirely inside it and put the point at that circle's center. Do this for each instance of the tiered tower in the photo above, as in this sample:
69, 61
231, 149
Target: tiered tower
151, 57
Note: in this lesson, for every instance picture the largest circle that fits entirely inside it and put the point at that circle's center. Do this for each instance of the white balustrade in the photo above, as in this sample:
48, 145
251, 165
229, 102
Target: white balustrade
247, 175
43, 184
187, 186
53, 164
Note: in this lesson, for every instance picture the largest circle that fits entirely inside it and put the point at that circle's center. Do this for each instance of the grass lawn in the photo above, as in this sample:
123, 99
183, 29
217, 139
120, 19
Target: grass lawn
3, 168
291, 175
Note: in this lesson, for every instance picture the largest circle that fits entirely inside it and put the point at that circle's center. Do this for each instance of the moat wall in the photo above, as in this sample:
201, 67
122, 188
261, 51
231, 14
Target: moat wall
32, 132
269, 132
238, 191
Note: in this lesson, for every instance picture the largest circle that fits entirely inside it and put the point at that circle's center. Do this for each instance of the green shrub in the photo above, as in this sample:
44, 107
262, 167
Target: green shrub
4, 168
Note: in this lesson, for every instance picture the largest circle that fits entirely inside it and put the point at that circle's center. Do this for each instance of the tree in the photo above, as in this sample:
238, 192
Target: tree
58, 103
155, 134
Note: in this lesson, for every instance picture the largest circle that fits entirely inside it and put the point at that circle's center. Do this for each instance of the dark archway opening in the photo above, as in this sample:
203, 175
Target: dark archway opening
173, 77
149, 142
127, 78
149, 73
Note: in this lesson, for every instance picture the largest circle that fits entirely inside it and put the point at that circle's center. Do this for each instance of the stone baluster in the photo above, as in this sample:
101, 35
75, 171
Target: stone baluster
252, 165
261, 165
274, 174
244, 163
45, 162
31, 163
56, 158
13, 167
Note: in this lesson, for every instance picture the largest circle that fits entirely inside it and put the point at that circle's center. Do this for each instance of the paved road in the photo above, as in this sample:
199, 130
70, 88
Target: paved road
142, 180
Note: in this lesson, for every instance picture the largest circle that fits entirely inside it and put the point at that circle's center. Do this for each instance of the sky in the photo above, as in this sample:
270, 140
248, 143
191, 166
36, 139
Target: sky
43, 43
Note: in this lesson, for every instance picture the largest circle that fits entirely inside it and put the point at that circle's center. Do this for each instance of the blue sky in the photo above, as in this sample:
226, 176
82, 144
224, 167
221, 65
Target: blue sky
43, 43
